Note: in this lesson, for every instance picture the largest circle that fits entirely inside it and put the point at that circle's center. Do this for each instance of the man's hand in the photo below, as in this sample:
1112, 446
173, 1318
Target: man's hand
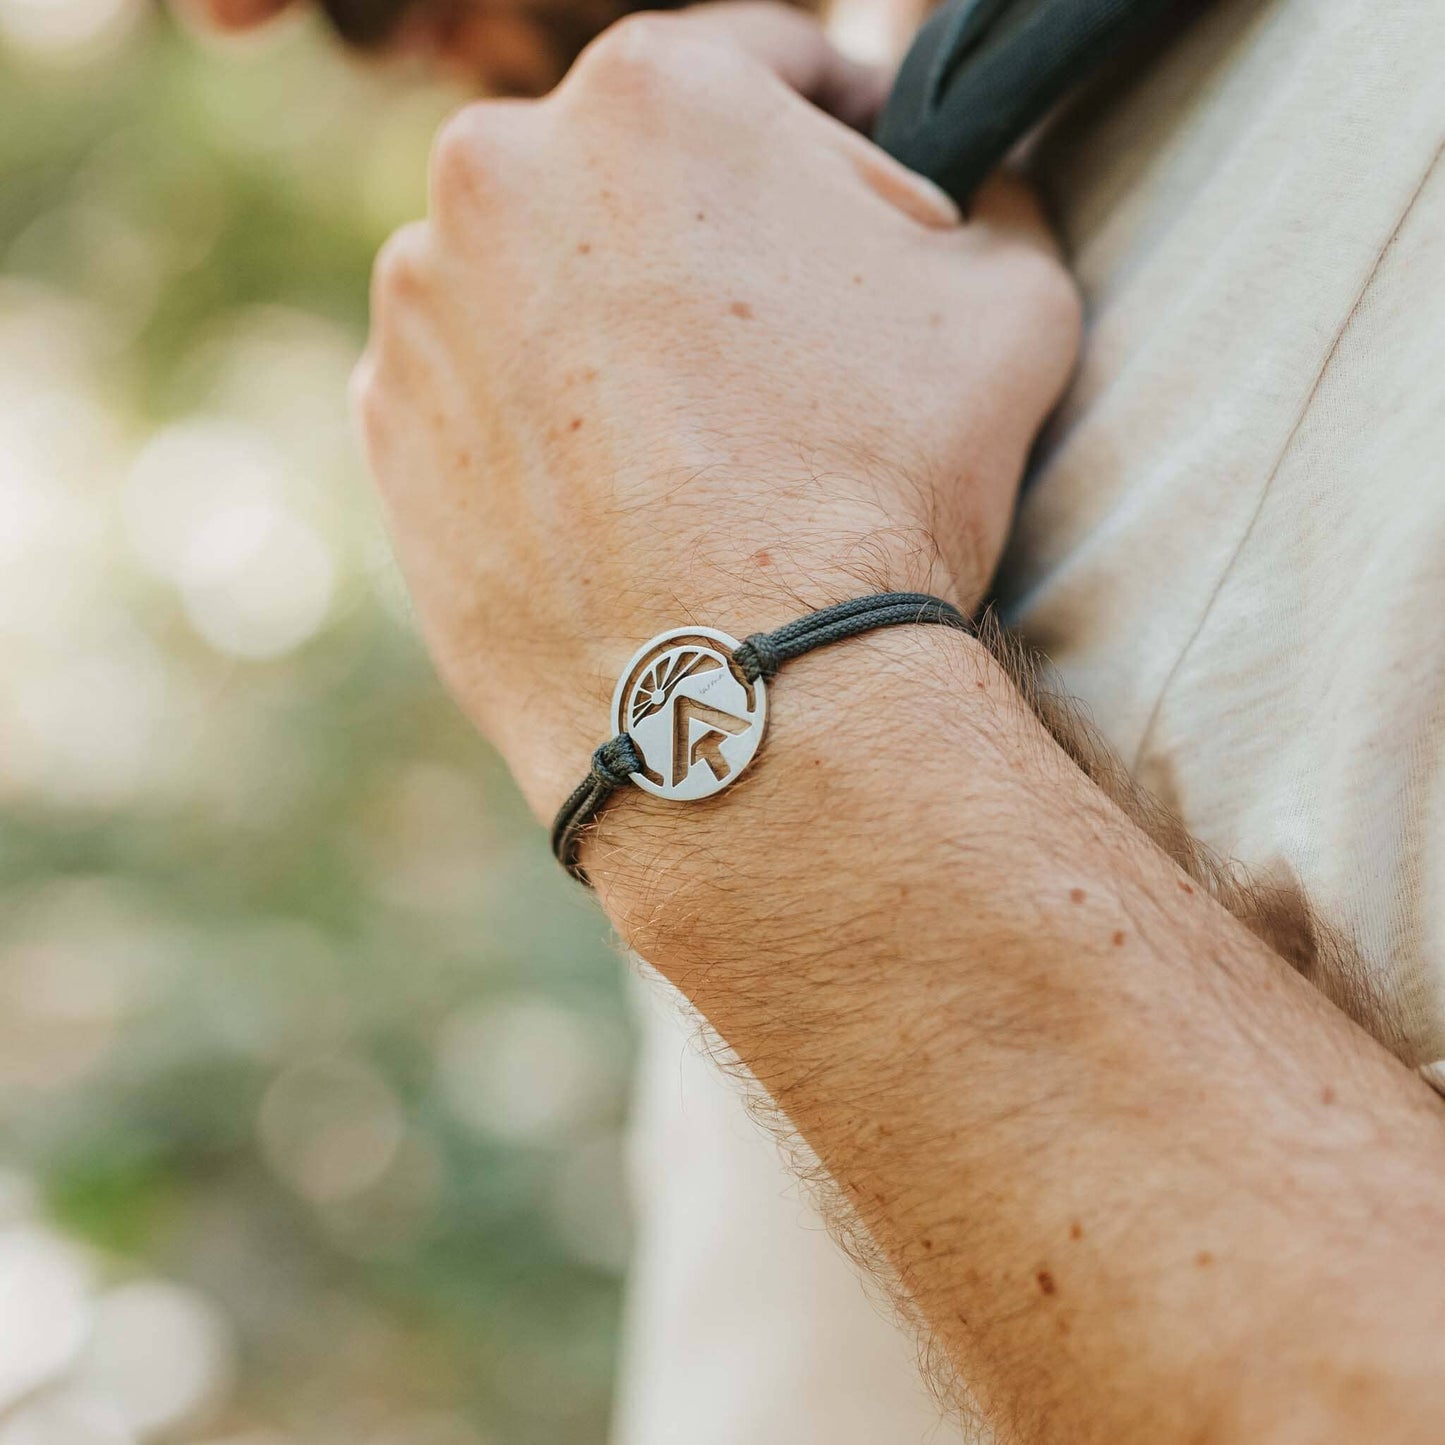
675, 344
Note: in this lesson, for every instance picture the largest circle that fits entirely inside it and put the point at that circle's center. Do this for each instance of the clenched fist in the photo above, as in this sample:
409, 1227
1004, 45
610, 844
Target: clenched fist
677, 345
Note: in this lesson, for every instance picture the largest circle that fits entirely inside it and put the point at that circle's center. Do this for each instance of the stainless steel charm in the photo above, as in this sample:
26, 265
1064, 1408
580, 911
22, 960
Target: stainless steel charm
694, 720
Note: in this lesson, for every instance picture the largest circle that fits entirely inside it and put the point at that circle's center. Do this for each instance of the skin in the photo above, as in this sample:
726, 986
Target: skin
676, 346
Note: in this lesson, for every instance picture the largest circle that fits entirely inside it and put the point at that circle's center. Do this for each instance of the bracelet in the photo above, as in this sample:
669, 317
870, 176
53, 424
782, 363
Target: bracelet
691, 706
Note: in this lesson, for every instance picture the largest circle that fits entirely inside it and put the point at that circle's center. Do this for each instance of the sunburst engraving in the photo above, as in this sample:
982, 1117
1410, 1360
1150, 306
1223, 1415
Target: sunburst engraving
657, 683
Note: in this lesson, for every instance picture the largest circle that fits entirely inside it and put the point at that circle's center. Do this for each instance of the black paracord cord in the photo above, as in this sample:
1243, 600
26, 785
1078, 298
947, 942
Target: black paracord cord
982, 73
612, 765
758, 657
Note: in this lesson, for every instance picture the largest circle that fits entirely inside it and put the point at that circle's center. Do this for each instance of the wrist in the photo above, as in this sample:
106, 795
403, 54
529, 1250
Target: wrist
774, 585
856, 780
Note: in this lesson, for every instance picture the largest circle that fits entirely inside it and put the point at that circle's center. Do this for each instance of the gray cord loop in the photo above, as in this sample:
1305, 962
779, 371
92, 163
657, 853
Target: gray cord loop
616, 761
612, 765
758, 659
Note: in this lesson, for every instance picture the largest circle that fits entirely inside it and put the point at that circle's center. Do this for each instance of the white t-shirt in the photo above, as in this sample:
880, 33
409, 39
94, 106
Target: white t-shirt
1233, 548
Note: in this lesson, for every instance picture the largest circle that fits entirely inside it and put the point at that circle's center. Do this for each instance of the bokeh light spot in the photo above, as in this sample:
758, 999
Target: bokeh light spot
68, 29
159, 1352
44, 1311
522, 1068
330, 1128
257, 581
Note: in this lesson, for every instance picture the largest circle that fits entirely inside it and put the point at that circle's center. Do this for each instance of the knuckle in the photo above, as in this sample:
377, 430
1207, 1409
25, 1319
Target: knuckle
1055, 294
636, 57
458, 153
1036, 283
402, 267
644, 39
367, 403
362, 388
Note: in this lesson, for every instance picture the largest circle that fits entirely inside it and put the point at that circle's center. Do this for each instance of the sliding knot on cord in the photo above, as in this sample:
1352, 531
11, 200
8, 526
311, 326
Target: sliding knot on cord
759, 657
616, 761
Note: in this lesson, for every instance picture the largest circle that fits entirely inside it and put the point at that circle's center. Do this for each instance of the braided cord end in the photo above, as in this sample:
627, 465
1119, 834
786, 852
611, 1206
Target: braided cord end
612, 765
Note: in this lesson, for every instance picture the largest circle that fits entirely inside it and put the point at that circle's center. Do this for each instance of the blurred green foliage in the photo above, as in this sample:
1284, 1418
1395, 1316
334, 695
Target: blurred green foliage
297, 1011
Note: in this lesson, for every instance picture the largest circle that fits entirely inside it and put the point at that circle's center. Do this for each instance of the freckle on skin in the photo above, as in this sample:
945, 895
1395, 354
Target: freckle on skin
702, 215
857, 280
1076, 1230
1186, 887
575, 424
928, 1244
1204, 1259
584, 249
1327, 1095
763, 557
1077, 895
1046, 1282
1119, 937
742, 310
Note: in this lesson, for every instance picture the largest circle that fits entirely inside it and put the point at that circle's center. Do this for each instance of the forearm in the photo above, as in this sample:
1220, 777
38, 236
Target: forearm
1139, 1178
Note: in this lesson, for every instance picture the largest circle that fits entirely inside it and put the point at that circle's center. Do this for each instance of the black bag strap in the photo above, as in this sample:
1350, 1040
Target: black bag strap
982, 73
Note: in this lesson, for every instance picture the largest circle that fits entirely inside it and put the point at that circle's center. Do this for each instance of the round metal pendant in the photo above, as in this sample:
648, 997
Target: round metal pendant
694, 720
